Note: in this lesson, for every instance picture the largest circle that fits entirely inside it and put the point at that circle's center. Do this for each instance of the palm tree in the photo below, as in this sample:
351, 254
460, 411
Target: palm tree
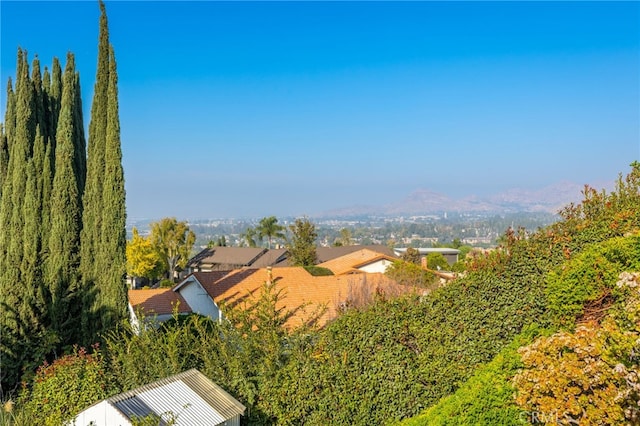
269, 227
249, 236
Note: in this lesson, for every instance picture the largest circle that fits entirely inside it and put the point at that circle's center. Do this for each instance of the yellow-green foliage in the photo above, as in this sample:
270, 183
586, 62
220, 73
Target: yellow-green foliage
566, 377
589, 376
589, 277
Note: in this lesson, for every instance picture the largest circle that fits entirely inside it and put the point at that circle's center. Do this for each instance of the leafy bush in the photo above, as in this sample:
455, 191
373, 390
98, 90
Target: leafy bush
437, 261
67, 386
487, 397
166, 283
566, 377
407, 273
242, 355
588, 279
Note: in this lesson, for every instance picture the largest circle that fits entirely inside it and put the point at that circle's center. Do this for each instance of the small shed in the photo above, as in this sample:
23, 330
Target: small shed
188, 398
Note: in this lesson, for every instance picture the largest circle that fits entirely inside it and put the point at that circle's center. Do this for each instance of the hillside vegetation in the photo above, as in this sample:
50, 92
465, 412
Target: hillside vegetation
557, 306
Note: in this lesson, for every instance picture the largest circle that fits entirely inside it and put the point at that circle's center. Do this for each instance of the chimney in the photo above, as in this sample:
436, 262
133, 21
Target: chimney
269, 275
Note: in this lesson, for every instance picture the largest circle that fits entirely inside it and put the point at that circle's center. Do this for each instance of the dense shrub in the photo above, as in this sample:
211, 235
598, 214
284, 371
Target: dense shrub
242, 355
67, 386
437, 261
408, 273
487, 397
588, 279
509, 283
566, 378
394, 359
591, 375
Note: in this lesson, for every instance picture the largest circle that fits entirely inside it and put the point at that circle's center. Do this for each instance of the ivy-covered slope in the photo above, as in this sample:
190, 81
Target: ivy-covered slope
598, 240
395, 359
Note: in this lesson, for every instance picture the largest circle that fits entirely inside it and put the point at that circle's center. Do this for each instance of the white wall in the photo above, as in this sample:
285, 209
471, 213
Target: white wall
101, 414
377, 266
199, 300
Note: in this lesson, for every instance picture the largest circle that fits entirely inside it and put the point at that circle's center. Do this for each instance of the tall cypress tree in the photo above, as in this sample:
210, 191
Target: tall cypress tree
38, 93
66, 218
111, 254
31, 311
10, 116
42, 129
43, 172
79, 139
4, 157
55, 97
12, 290
21, 151
92, 199
6, 137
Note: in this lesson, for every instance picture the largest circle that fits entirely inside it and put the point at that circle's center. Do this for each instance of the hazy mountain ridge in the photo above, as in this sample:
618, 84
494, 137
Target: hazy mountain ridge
549, 199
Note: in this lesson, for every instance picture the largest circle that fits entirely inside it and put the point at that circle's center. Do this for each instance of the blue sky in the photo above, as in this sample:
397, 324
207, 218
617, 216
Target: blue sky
248, 109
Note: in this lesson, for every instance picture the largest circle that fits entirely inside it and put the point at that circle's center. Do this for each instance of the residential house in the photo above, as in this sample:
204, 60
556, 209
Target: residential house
229, 258
364, 260
224, 258
157, 305
188, 398
324, 254
311, 299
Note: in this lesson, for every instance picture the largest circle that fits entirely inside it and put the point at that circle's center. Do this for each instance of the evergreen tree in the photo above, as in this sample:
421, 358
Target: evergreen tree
66, 218
39, 103
92, 199
46, 103
112, 294
42, 128
11, 215
31, 311
4, 157
12, 220
55, 97
52, 95
9, 123
43, 175
302, 246
78, 137
47, 187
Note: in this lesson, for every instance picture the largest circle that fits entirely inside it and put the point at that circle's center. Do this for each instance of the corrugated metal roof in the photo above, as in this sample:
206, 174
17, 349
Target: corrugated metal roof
190, 396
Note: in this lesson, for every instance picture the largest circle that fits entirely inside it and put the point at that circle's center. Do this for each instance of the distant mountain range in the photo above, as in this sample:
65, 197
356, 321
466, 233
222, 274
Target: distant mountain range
549, 199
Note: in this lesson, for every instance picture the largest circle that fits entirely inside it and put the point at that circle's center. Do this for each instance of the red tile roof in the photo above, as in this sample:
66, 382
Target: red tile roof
157, 301
303, 293
350, 263
324, 254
